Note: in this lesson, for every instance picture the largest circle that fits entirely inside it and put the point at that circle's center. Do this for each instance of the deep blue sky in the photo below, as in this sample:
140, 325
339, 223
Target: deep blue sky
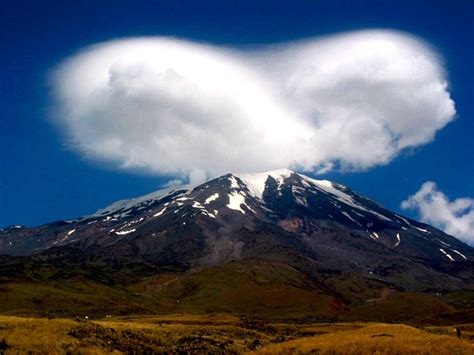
41, 181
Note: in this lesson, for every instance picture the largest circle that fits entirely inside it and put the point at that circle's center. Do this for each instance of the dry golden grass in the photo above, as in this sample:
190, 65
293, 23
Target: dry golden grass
143, 334
182, 333
40, 336
183, 318
375, 339
399, 307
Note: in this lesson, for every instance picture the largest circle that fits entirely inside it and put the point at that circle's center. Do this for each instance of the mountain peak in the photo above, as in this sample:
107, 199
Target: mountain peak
256, 181
318, 227
273, 173
276, 201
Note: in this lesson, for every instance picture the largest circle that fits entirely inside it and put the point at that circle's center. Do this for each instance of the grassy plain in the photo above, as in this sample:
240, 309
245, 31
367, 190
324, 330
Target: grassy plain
239, 307
223, 333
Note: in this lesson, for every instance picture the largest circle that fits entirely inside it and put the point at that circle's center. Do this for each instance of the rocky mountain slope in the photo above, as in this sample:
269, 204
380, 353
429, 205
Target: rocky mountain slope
314, 235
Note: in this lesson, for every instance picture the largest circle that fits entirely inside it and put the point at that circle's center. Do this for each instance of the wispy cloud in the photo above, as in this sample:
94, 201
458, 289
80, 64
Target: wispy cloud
174, 107
434, 207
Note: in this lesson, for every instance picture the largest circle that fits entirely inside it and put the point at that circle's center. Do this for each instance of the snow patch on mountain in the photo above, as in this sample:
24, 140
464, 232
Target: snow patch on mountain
422, 230
298, 195
197, 205
211, 198
125, 232
233, 182
256, 182
338, 193
352, 219
159, 213
398, 240
374, 235
133, 202
236, 200
457, 252
446, 254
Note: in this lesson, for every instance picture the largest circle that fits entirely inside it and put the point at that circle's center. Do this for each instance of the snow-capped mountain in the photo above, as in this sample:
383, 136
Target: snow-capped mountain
277, 214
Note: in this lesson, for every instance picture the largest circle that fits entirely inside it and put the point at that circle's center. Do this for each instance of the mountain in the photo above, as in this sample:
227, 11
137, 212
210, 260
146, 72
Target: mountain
304, 236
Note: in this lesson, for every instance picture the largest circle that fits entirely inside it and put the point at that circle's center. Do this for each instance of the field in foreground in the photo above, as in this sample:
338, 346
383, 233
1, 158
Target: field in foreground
224, 334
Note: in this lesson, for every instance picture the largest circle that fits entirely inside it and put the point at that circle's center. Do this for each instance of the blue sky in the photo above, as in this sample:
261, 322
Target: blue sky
42, 180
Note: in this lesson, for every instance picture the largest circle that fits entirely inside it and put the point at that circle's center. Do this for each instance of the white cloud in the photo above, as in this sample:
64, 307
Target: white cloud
174, 107
434, 207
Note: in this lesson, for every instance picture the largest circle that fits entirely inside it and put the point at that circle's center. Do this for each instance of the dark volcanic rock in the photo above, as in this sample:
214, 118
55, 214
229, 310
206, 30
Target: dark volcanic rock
310, 224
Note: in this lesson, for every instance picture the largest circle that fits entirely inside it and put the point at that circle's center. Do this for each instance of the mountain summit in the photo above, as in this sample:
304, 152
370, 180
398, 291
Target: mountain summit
344, 243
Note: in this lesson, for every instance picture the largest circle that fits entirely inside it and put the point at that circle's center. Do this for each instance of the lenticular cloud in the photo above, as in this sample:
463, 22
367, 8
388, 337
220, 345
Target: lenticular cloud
175, 107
